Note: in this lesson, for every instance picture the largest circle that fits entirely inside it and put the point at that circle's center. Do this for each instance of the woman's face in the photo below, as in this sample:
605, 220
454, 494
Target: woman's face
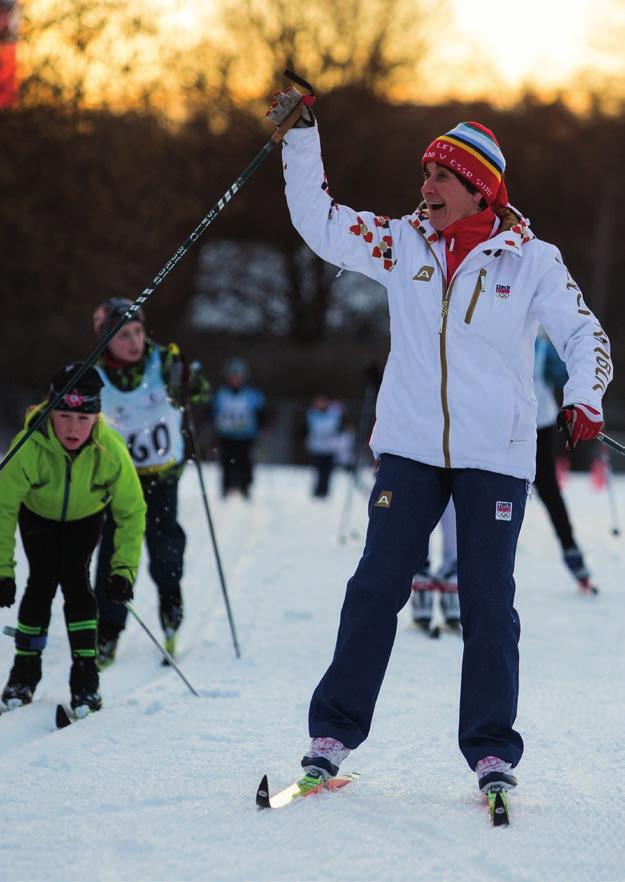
129, 344
447, 199
72, 429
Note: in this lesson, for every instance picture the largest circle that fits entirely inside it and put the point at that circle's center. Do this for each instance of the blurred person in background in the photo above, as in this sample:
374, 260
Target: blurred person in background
324, 423
57, 488
444, 579
550, 375
146, 389
238, 413
468, 286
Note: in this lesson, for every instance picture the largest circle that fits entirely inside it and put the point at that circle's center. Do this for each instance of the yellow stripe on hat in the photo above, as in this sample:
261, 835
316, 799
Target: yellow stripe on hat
473, 152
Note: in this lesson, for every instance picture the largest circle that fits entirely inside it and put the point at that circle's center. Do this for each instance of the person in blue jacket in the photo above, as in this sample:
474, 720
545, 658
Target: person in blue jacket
324, 422
238, 413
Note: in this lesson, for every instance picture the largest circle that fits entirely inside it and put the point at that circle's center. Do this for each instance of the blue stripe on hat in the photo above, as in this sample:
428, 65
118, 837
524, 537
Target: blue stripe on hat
480, 142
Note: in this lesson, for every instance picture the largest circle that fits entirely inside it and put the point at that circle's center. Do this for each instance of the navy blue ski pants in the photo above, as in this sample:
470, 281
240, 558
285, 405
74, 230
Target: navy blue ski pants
406, 503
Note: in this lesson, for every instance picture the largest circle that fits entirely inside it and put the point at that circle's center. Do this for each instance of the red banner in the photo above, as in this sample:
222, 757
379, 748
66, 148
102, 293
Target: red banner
8, 62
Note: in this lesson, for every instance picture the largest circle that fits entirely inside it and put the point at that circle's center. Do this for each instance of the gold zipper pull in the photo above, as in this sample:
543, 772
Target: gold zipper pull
444, 311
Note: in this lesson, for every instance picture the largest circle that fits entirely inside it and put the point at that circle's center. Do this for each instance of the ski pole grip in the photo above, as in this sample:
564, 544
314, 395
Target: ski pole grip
296, 113
288, 123
9, 631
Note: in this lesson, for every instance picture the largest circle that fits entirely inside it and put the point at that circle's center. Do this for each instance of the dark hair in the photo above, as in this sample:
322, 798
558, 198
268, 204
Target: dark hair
469, 186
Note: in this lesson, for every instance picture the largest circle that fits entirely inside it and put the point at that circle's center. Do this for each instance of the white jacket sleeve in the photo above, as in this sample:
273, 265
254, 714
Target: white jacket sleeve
575, 332
360, 241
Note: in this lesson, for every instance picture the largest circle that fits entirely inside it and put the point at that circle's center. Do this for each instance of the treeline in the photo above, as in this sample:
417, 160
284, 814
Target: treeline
93, 203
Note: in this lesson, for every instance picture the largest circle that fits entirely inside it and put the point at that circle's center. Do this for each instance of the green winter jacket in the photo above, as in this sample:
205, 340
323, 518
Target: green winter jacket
44, 477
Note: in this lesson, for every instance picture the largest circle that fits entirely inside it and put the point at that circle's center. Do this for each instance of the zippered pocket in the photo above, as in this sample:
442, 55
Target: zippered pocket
479, 289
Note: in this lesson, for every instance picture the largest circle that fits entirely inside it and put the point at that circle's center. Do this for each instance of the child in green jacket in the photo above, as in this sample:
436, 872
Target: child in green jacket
56, 488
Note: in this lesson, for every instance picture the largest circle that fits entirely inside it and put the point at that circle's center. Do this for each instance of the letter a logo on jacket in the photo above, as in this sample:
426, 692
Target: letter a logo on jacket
424, 274
384, 499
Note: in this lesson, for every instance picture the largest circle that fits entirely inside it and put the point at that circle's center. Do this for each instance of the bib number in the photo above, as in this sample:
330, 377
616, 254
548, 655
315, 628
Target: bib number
147, 444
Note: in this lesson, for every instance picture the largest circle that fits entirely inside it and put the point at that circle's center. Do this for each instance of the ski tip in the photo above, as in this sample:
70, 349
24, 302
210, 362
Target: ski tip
498, 805
262, 794
62, 718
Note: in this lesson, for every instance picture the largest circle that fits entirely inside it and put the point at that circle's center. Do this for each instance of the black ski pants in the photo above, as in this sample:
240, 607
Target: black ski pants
58, 554
235, 455
548, 489
323, 464
165, 540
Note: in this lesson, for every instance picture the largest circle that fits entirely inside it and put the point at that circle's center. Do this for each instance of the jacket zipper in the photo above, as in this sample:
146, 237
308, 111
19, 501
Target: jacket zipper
479, 289
68, 481
442, 331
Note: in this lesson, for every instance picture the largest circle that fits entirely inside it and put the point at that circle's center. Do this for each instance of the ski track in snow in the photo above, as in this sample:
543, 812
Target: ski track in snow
160, 785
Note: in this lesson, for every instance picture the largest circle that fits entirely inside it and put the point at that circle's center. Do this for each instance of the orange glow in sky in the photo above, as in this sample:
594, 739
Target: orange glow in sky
537, 40
541, 43
491, 49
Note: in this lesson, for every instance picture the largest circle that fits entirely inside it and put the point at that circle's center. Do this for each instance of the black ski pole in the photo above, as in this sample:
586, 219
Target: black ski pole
610, 442
366, 413
176, 257
609, 484
161, 649
198, 464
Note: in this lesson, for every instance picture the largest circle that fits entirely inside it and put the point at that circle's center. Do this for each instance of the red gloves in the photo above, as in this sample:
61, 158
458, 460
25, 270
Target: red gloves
579, 422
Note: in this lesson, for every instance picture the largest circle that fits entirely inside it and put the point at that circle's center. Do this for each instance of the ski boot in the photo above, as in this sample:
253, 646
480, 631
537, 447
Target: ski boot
84, 703
495, 780
84, 684
321, 762
574, 561
421, 599
171, 615
492, 771
22, 682
108, 637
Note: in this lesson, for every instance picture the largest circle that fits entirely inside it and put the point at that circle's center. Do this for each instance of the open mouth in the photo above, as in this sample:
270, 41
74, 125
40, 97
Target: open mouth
436, 206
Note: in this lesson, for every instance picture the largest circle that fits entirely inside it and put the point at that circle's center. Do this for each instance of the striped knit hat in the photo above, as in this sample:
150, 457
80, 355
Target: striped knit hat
472, 151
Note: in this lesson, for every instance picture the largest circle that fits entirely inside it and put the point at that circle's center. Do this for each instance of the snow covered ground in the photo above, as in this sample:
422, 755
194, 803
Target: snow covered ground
160, 785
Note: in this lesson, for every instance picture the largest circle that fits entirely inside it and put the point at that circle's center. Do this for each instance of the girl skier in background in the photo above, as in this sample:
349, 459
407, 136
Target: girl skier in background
468, 286
57, 487
146, 388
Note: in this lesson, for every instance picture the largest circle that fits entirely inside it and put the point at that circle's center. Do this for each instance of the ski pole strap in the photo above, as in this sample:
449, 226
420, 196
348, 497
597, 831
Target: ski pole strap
295, 78
610, 442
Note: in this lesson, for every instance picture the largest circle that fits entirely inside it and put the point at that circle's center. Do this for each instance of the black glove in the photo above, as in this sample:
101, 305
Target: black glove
118, 589
7, 591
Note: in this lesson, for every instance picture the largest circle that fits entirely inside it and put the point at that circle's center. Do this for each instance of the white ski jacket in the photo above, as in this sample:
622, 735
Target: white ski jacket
458, 386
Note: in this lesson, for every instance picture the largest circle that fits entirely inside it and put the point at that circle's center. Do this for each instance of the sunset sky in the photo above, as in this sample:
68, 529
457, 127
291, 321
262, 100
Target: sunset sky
492, 49
537, 43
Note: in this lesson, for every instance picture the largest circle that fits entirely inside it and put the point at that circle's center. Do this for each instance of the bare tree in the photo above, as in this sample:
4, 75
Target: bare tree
372, 44
78, 52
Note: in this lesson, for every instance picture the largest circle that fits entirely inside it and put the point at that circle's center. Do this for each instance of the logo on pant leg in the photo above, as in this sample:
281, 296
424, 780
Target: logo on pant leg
503, 511
384, 499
